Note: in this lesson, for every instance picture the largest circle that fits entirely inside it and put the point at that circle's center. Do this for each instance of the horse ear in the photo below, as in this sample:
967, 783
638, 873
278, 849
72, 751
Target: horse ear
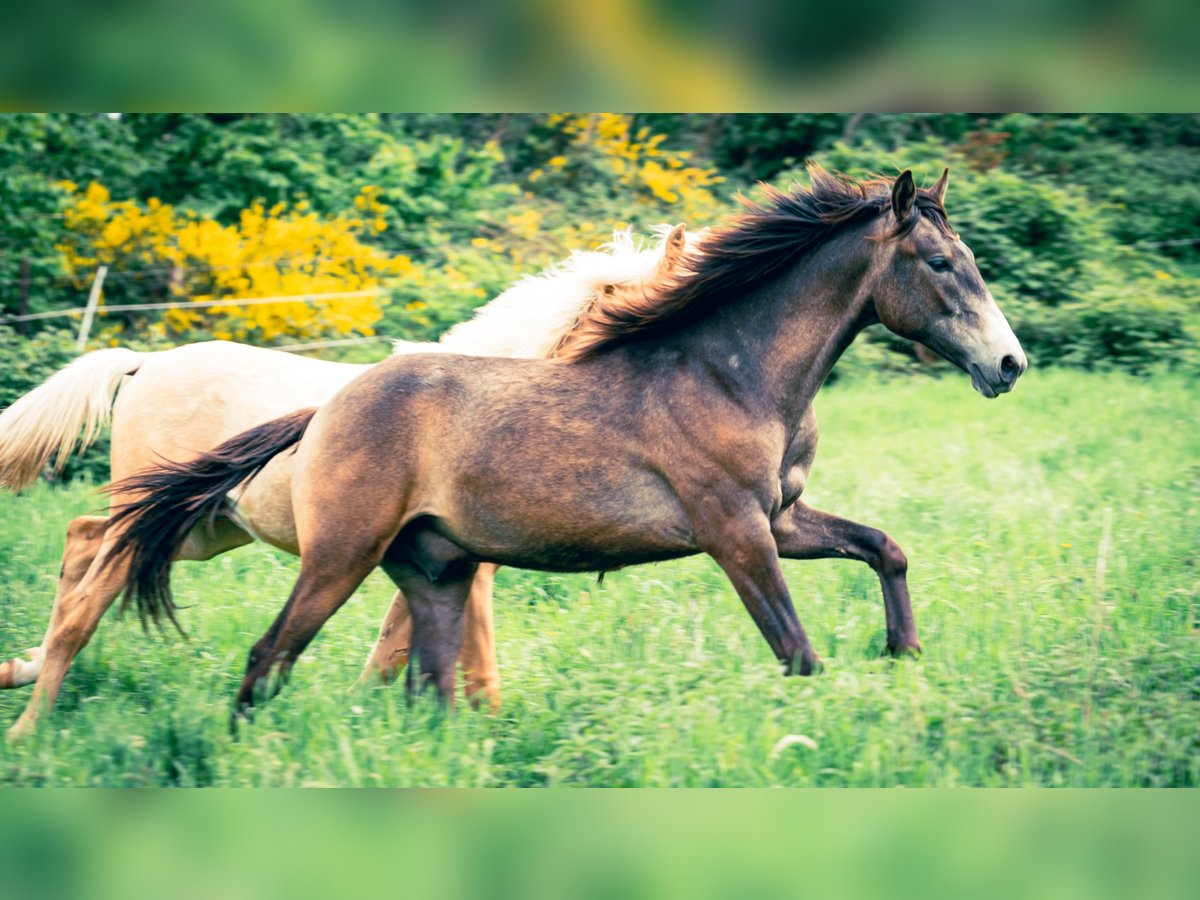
904, 192
673, 248
938, 190
676, 239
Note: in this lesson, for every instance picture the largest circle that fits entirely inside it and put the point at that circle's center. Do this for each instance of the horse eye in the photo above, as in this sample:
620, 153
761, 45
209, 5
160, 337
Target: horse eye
939, 264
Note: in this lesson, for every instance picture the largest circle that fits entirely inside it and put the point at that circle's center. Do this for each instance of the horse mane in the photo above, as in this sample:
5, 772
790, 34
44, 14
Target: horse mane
772, 233
538, 315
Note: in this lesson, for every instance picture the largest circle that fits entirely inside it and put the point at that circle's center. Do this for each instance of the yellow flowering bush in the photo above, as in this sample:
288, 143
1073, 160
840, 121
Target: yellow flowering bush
663, 179
160, 254
599, 173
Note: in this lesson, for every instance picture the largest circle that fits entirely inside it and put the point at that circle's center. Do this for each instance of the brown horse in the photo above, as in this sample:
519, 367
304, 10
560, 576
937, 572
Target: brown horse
175, 404
684, 426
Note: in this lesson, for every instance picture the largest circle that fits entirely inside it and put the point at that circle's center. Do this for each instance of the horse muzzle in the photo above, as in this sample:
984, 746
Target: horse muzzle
992, 380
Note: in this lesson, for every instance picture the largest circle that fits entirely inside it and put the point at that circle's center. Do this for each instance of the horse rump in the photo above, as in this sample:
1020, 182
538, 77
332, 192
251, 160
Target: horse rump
172, 498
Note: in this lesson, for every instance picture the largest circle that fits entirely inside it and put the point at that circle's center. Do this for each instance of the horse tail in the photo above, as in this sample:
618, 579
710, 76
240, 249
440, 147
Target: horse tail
63, 414
172, 498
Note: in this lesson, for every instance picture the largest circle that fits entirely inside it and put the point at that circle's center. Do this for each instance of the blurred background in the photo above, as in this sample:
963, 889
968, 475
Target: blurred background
601, 845
645, 54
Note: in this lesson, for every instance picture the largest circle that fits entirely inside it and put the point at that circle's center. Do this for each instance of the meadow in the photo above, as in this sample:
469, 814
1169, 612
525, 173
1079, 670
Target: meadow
1052, 537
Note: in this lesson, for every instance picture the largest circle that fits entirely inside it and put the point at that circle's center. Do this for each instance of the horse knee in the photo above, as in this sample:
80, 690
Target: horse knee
84, 535
86, 528
68, 638
892, 560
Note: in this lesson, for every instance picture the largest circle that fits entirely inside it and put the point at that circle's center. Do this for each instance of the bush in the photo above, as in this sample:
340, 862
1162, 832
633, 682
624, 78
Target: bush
463, 206
1133, 325
1151, 188
28, 361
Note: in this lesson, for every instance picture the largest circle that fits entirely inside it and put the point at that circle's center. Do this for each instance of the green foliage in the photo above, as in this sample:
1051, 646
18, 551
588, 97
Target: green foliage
30, 361
1050, 534
1149, 180
1133, 325
27, 362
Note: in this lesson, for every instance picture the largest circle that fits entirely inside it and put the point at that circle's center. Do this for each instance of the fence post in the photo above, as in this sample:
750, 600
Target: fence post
88, 314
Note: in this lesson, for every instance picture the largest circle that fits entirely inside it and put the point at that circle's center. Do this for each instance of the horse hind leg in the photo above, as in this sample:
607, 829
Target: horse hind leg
79, 613
85, 536
81, 606
327, 580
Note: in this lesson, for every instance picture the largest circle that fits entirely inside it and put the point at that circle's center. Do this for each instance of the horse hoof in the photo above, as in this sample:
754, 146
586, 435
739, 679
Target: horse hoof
908, 650
22, 670
806, 667
18, 732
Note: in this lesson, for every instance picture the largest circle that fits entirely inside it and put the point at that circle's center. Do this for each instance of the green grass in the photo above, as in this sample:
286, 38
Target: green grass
1036, 671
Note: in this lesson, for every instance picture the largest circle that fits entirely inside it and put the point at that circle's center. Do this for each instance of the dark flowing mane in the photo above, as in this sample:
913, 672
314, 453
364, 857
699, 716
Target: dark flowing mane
770, 235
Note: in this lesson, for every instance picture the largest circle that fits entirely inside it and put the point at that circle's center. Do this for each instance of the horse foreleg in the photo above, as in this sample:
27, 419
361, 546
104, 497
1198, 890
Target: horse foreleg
743, 547
802, 532
478, 655
389, 655
85, 535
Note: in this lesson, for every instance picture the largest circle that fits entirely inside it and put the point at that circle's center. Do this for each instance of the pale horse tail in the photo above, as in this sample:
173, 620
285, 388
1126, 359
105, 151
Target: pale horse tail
61, 415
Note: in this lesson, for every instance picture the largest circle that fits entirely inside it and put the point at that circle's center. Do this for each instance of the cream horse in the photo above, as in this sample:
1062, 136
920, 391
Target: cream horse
178, 403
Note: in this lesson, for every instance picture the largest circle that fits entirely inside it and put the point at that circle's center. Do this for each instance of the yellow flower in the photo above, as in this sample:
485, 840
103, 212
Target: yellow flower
115, 233
558, 161
267, 252
96, 193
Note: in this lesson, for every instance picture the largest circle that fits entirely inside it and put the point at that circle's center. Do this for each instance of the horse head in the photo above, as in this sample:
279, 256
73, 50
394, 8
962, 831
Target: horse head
932, 291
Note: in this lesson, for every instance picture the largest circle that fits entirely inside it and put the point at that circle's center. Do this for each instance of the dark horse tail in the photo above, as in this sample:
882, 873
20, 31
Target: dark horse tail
174, 497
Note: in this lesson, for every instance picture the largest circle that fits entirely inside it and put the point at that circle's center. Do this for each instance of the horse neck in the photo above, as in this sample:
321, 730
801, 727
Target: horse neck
778, 342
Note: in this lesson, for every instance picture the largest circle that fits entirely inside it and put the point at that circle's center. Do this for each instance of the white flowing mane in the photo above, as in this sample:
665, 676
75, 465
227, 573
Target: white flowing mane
530, 318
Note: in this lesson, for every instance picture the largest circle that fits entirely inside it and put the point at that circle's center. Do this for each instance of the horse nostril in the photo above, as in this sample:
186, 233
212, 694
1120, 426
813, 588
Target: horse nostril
1009, 368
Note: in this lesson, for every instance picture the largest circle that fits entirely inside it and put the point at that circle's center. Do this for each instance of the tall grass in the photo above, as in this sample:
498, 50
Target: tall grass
1052, 538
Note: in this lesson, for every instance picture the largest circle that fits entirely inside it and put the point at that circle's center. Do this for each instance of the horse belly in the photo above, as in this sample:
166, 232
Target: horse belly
571, 525
263, 506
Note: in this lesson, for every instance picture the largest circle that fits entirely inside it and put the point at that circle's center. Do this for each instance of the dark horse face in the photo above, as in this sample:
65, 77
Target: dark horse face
934, 294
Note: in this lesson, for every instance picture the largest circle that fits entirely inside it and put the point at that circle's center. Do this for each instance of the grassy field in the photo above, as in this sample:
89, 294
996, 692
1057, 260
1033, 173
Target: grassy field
1052, 538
